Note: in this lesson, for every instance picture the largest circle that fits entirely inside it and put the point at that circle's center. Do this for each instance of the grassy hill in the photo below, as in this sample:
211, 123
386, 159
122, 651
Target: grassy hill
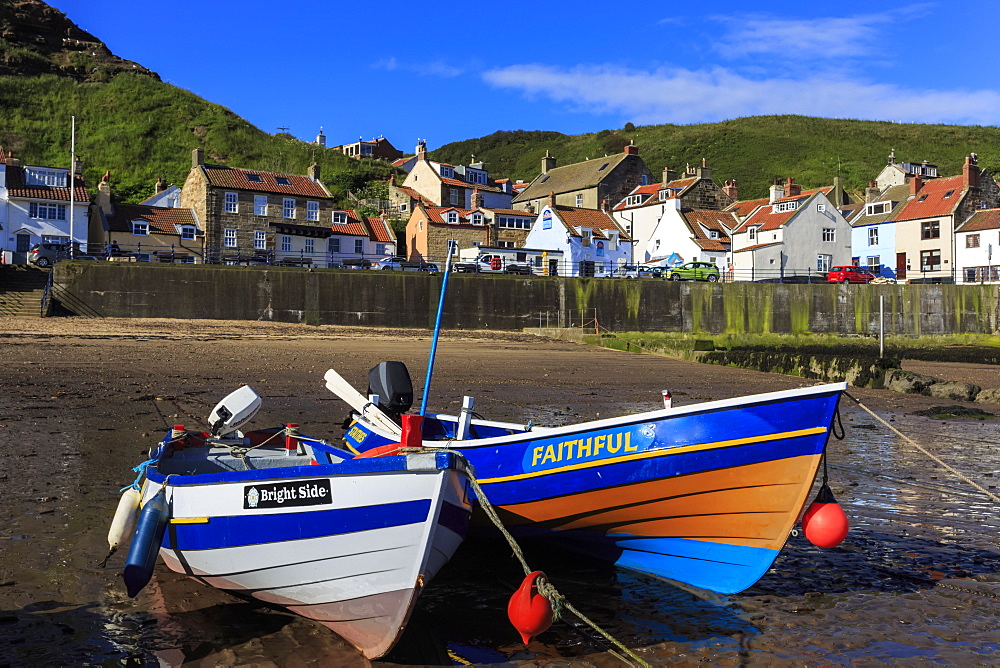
753, 150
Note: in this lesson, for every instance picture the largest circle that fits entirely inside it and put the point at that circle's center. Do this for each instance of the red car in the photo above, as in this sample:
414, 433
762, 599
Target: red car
849, 274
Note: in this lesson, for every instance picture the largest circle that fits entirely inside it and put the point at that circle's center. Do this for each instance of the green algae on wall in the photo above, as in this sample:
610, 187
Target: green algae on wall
799, 309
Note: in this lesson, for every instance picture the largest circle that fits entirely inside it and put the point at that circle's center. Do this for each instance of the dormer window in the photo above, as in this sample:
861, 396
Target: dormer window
452, 218
140, 228
752, 233
477, 219
585, 234
339, 217
782, 207
188, 232
45, 177
713, 234
878, 208
633, 200
612, 240
665, 194
447, 172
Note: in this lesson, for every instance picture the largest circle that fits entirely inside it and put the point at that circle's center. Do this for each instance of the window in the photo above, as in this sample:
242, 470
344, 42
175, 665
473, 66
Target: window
930, 230
930, 260
286, 243
188, 232
877, 208
447, 172
359, 246
633, 200
404, 207
948, 194
312, 210
823, 262
922, 197
612, 240
45, 177
477, 219
282, 181
874, 264
713, 234
255, 178
514, 223
310, 246
579, 200
821, 207
829, 234
140, 228
380, 249
229, 238
452, 218
782, 207
260, 205
288, 208
259, 240
873, 236
454, 198
601, 168
752, 233
585, 235
339, 217
972, 241
333, 244
644, 180
44, 211
232, 203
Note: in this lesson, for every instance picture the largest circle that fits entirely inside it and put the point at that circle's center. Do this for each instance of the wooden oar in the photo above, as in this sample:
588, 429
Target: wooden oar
359, 402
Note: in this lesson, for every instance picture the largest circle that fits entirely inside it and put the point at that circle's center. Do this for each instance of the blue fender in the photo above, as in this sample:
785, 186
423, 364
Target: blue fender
146, 543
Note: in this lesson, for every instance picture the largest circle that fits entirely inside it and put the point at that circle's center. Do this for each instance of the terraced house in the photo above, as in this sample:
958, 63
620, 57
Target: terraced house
244, 211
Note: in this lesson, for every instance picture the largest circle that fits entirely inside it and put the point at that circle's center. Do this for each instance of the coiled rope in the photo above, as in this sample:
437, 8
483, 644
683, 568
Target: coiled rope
558, 602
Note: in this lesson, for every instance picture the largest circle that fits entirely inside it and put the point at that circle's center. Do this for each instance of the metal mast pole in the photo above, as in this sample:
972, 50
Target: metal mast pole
72, 185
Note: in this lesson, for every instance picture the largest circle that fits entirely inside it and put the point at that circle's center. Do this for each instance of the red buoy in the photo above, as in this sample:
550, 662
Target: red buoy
529, 611
825, 523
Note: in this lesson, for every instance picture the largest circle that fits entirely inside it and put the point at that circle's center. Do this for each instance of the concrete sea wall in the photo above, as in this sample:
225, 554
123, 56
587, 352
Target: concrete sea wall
409, 299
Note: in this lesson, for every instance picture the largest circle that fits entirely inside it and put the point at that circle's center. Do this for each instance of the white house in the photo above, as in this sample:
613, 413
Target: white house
38, 206
591, 241
685, 235
977, 247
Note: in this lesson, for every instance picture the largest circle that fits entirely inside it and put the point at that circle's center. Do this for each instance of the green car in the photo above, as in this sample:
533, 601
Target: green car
693, 271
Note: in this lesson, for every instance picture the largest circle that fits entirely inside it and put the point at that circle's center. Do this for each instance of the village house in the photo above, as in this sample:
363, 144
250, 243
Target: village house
143, 233
977, 247
796, 234
430, 229
164, 195
379, 149
688, 235
243, 211
353, 238
900, 173
37, 205
925, 226
639, 213
873, 229
590, 184
591, 242
508, 227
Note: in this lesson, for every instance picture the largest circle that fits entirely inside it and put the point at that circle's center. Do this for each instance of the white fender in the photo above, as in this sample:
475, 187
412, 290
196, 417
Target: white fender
124, 522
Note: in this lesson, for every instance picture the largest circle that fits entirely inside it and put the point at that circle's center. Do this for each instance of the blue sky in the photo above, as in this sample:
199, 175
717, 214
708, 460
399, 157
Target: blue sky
450, 71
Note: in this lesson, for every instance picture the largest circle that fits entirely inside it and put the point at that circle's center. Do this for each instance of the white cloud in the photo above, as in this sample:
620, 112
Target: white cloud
694, 96
436, 68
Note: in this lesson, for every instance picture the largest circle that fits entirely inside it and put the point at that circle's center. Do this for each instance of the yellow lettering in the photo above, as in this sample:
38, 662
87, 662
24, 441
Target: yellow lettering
599, 444
615, 442
550, 455
535, 455
584, 446
628, 443
569, 449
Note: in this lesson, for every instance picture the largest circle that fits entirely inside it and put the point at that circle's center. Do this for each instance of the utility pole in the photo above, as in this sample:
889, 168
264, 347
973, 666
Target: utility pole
72, 184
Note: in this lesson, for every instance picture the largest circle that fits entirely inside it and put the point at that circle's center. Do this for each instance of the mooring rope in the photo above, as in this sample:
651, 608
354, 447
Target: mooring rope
919, 447
545, 588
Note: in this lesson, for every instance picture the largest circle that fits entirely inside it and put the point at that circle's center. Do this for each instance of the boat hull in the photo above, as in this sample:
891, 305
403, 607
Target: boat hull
705, 495
349, 545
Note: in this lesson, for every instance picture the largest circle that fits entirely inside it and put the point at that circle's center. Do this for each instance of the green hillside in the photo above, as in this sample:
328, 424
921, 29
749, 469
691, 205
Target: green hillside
753, 150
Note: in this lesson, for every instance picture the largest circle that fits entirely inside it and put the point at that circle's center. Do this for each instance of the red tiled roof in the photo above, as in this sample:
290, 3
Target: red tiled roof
746, 207
720, 221
984, 219
930, 200
765, 219
161, 219
596, 220
413, 194
231, 177
466, 184
17, 186
380, 230
353, 227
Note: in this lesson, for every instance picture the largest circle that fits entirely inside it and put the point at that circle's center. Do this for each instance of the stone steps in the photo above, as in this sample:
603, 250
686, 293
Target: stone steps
21, 290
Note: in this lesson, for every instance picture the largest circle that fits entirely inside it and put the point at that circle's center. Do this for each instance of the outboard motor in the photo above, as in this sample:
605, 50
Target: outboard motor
391, 382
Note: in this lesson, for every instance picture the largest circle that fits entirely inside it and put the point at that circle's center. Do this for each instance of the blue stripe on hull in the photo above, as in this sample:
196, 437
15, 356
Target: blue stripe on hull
240, 530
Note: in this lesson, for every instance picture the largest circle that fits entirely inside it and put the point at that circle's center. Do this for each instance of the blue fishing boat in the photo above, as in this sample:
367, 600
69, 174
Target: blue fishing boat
705, 494
296, 522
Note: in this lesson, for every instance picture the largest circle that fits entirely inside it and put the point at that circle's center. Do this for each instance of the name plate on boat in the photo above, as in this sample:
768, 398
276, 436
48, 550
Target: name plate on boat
282, 494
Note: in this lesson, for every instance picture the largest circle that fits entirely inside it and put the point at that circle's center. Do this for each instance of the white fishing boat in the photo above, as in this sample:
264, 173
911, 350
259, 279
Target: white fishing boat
296, 522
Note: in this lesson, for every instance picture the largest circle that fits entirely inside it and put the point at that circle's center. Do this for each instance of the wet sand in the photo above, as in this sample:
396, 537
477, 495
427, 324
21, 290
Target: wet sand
917, 580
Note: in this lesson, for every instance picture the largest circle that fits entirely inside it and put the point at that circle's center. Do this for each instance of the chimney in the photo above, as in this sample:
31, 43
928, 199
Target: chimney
477, 199
604, 205
313, 172
631, 149
392, 179
159, 187
792, 189
970, 171
421, 149
669, 175
11, 161
730, 190
104, 195
197, 157
915, 183
704, 172
548, 162
871, 192
776, 192
552, 200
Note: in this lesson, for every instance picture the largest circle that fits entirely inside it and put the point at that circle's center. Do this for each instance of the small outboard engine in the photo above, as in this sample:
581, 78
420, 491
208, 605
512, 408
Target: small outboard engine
391, 382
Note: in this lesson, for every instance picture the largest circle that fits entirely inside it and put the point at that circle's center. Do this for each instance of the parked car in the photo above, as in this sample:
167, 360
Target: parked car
693, 271
46, 254
849, 274
389, 262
